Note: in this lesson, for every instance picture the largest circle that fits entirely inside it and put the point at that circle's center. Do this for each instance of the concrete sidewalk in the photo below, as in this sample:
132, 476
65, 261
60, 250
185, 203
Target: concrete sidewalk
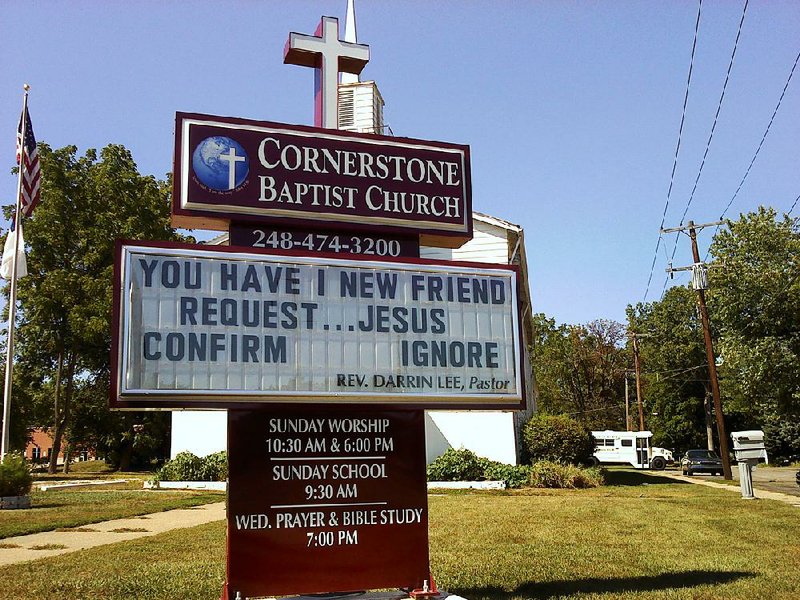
759, 493
106, 532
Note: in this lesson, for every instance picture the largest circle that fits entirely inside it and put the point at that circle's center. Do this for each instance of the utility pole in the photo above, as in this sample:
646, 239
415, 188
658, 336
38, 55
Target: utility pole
637, 366
637, 369
627, 405
700, 284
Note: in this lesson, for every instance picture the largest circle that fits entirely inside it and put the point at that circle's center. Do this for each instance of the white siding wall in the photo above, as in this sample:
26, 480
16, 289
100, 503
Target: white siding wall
201, 432
487, 433
436, 253
489, 245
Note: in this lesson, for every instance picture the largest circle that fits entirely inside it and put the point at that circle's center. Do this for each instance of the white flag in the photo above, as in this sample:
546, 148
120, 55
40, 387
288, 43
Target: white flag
7, 262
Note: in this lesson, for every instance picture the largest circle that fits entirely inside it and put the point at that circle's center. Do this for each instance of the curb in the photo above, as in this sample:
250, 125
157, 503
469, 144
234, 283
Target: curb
761, 494
219, 486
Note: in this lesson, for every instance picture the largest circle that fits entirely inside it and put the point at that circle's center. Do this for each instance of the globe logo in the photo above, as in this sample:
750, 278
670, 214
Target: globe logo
220, 163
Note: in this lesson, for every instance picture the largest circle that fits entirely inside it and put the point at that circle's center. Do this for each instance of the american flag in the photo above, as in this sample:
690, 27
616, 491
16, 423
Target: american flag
31, 174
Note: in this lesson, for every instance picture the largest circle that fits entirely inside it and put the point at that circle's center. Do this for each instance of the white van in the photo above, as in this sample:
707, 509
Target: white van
629, 447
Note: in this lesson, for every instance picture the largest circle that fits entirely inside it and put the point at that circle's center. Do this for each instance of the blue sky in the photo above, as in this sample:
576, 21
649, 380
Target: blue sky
571, 109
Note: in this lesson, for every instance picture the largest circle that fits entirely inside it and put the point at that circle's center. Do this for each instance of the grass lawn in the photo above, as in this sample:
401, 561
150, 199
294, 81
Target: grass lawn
643, 536
72, 508
91, 469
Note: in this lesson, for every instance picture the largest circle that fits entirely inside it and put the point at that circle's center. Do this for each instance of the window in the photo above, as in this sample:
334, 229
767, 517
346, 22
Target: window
702, 454
36, 453
603, 443
347, 116
627, 443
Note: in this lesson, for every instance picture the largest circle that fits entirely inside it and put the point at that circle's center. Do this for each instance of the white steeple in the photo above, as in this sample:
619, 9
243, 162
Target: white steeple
350, 36
360, 102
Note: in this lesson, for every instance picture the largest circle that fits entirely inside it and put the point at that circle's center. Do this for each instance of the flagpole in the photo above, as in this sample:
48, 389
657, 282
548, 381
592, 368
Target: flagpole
12, 295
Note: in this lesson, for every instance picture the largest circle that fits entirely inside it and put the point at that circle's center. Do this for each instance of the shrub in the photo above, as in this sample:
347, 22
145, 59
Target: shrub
557, 438
549, 474
186, 466
216, 466
465, 465
588, 477
189, 467
455, 465
15, 478
514, 476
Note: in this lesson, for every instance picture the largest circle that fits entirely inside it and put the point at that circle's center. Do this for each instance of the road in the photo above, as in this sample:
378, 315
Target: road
772, 479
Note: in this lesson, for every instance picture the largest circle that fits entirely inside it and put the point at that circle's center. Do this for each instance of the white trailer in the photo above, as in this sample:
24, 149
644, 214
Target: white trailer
629, 447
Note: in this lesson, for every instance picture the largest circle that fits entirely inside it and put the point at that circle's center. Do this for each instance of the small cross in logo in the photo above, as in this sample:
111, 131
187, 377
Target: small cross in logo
231, 159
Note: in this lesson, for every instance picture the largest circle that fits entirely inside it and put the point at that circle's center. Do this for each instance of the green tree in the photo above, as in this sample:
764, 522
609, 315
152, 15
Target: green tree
65, 302
676, 384
580, 370
756, 303
754, 306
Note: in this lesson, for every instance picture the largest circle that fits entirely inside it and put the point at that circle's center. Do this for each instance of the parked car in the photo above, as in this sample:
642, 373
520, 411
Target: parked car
701, 461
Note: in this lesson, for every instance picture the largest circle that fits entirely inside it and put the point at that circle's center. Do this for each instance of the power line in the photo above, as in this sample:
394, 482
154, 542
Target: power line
714, 124
589, 410
674, 371
758, 149
793, 205
710, 138
677, 149
764, 137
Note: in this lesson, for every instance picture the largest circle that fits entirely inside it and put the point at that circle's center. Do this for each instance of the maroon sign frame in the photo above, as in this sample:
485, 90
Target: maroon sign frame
326, 500
239, 169
487, 399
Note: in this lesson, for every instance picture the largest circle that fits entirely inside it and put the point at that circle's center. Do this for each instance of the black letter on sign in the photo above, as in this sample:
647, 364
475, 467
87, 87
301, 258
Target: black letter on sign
156, 337
148, 269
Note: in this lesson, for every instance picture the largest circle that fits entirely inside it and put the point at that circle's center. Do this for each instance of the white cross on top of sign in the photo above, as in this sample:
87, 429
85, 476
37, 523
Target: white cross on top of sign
329, 56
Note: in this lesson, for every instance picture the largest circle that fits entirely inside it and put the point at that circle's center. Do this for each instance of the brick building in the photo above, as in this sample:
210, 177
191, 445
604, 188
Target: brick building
40, 447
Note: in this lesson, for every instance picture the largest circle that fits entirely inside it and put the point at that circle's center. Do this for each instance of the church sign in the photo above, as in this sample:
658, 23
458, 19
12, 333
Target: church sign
230, 169
196, 326
320, 330
326, 499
